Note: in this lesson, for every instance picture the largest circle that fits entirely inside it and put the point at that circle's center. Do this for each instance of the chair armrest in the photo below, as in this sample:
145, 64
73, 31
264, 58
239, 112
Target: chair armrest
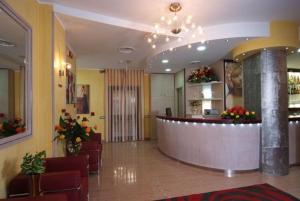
60, 181
90, 145
19, 186
70, 163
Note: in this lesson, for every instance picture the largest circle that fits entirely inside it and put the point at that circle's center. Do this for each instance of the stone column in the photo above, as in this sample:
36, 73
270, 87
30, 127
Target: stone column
274, 105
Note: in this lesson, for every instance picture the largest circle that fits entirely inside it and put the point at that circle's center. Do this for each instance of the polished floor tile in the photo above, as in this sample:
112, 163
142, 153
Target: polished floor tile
137, 171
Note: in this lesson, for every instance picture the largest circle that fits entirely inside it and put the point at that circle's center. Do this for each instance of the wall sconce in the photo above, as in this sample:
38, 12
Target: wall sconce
61, 72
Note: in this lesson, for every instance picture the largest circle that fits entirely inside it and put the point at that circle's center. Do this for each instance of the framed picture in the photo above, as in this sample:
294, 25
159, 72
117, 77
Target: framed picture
233, 84
70, 87
83, 99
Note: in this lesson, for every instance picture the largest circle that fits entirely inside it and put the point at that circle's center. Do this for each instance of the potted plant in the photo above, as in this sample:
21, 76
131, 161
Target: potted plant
33, 165
72, 132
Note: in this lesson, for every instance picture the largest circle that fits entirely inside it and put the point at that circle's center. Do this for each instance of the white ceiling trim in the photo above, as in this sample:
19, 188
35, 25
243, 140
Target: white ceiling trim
222, 31
96, 17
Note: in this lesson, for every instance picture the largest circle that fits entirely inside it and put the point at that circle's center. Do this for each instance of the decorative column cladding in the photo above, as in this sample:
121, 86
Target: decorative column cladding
274, 105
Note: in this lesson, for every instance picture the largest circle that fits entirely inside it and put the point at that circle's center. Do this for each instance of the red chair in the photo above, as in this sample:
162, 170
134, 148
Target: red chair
52, 197
93, 148
67, 175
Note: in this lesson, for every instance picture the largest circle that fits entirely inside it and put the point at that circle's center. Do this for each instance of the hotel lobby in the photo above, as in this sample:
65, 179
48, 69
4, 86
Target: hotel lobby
149, 100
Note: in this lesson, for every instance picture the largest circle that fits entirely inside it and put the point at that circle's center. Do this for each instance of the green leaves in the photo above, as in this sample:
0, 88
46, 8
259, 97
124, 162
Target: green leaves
33, 164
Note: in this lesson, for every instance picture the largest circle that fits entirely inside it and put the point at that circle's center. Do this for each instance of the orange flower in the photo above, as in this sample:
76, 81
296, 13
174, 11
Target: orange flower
1, 126
88, 129
84, 124
19, 130
58, 128
95, 127
62, 137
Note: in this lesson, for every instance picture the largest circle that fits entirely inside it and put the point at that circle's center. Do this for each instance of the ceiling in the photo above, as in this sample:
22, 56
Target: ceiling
97, 28
11, 57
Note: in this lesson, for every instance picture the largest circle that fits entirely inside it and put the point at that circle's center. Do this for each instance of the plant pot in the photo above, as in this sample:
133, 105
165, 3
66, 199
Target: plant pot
73, 148
35, 185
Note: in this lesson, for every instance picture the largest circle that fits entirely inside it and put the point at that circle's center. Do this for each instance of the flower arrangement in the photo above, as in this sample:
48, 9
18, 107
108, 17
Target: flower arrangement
10, 127
238, 113
195, 103
73, 132
203, 74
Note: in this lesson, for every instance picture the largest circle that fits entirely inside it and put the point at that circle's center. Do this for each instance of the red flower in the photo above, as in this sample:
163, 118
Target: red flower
63, 110
92, 113
67, 114
2, 115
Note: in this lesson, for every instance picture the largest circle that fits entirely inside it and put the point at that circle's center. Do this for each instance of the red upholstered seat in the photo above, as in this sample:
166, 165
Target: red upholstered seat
93, 148
63, 174
52, 197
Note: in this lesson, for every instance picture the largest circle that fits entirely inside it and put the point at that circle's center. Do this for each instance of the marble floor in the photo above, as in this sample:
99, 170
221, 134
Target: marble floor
137, 171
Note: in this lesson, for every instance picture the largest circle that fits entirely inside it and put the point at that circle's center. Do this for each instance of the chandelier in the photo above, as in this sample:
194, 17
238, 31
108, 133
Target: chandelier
174, 27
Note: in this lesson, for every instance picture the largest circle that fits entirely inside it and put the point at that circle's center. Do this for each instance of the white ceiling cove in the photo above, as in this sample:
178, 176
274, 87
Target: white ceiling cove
97, 28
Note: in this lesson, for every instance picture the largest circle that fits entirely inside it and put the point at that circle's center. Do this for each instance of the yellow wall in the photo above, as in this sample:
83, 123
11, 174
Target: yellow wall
96, 81
40, 19
282, 34
147, 109
60, 60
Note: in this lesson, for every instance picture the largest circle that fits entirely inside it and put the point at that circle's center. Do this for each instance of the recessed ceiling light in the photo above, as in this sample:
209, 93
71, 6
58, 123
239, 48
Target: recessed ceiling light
126, 50
5, 43
189, 46
244, 54
298, 50
165, 61
227, 40
247, 38
201, 48
168, 69
292, 52
286, 48
153, 46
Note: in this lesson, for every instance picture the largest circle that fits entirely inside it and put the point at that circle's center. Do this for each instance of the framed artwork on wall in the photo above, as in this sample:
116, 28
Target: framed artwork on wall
70, 87
83, 99
233, 84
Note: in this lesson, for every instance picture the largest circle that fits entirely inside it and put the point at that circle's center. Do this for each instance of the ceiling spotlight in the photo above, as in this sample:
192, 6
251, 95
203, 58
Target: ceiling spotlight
292, 52
247, 38
189, 46
265, 49
165, 61
153, 46
237, 59
171, 49
149, 40
201, 48
298, 50
179, 39
244, 54
168, 69
167, 39
162, 18
154, 36
286, 48
227, 40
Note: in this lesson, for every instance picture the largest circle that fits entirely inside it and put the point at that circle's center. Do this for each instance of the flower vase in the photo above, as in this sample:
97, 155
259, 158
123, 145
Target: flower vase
73, 148
35, 185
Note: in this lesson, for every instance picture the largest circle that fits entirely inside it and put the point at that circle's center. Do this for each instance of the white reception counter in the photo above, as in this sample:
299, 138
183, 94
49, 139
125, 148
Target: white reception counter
218, 145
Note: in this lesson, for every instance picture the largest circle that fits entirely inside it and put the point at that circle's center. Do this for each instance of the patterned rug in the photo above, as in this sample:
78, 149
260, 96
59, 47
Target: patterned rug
261, 192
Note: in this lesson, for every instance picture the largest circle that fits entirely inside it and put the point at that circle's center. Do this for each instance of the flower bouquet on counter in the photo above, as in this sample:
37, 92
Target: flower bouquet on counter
203, 74
238, 114
73, 132
9, 127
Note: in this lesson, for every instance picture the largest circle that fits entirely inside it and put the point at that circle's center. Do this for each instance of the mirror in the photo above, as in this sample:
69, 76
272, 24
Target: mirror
15, 76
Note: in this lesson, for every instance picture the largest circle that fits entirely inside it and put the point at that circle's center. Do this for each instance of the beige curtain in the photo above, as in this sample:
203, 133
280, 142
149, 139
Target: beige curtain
124, 90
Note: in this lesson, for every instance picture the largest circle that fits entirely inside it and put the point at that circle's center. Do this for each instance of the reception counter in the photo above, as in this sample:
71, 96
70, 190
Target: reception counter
218, 144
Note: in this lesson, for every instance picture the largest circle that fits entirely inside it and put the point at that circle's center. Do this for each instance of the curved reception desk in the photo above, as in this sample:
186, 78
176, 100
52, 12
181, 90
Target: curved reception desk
217, 143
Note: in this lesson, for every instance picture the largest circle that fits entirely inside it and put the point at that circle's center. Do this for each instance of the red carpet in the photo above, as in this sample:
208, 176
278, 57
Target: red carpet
261, 192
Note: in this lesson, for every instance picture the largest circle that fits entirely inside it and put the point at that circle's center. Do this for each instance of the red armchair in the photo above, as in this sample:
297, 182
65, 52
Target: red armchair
52, 197
67, 175
93, 148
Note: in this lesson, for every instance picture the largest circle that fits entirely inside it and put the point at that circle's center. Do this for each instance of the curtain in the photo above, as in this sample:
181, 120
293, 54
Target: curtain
124, 90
